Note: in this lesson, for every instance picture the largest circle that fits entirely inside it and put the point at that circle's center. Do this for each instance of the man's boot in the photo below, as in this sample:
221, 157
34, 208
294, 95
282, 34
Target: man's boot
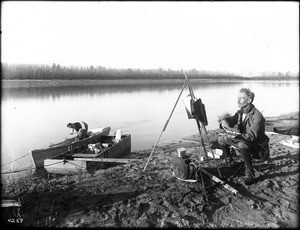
249, 172
228, 156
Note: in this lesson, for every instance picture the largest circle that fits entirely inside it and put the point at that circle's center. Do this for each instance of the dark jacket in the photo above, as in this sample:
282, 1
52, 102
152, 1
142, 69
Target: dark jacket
79, 125
252, 129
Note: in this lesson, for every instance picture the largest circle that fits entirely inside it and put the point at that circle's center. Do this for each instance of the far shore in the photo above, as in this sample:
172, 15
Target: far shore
87, 82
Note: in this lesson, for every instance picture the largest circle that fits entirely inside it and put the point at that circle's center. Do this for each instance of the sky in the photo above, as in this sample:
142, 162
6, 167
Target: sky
238, 37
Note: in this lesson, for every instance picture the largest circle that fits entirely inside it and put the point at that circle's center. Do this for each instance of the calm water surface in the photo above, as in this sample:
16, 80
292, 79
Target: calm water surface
33, 118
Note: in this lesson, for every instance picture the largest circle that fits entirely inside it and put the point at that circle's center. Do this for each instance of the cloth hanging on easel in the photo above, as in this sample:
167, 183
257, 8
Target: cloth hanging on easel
190, 116
198, 110
187, 105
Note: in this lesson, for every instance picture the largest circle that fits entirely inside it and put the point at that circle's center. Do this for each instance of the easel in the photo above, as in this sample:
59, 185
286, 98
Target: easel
200, 126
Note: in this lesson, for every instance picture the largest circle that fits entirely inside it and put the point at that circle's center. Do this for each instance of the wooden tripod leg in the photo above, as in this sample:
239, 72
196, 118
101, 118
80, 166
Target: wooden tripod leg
199, 171
165, 126
203, 185
201, 139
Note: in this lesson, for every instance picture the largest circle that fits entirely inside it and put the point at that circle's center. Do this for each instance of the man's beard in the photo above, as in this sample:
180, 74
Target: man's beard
242, 106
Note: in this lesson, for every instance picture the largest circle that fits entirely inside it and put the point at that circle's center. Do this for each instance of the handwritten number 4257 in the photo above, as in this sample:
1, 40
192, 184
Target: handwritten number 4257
16, 221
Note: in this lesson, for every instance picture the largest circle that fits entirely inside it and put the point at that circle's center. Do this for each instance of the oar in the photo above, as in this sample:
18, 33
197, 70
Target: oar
111, 160
216, 179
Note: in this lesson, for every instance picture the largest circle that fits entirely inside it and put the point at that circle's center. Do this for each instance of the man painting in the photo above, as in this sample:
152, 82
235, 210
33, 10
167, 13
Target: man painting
250, 138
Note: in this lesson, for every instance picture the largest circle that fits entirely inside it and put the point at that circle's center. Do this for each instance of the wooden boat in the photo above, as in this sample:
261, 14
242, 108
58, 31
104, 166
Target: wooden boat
88, 158
39, 155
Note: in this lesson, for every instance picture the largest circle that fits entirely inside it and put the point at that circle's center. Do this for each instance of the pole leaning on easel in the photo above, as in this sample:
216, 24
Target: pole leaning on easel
197, 121
202, 126
165, 126
201, 139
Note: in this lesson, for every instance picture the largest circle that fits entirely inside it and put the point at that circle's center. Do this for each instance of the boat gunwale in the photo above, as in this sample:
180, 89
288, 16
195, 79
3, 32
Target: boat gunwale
125, 137
69, 143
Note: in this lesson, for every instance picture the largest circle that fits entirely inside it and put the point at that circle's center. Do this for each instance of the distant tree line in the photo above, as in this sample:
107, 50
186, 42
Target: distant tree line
58, 72
276, 76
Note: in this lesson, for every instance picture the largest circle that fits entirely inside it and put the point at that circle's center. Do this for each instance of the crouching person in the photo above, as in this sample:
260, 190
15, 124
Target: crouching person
80, 128
250, 139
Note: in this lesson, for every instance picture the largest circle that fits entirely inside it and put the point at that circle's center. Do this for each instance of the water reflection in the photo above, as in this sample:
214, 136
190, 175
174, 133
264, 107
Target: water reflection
92, 90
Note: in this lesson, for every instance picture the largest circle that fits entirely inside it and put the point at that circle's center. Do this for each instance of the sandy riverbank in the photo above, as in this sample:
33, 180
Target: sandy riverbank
125, 196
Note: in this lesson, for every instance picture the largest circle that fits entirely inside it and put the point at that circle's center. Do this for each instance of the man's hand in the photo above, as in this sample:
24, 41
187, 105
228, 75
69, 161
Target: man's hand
225, 125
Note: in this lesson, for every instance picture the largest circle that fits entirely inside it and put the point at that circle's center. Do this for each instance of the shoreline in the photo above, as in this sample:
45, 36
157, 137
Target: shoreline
125, 196
7, 84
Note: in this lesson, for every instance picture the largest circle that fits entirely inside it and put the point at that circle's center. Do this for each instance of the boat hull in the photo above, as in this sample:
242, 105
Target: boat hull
73, 164
39, 155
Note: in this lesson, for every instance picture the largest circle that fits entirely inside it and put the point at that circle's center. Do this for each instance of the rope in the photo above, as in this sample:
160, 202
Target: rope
14, 160
22, 170
15, 171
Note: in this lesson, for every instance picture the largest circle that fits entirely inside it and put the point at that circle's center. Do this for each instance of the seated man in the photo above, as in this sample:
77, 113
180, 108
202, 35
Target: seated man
81, 129
251, 137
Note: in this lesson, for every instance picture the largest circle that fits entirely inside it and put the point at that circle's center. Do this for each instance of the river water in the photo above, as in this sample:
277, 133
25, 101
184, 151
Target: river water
34, 117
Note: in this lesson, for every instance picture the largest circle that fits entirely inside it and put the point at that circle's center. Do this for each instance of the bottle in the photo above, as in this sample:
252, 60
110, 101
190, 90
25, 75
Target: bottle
118, 136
